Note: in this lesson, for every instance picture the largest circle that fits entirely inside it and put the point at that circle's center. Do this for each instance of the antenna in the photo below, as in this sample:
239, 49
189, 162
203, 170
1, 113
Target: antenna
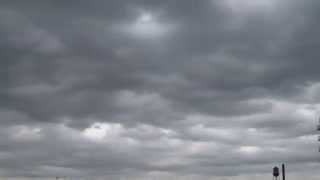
283, 172
318, 129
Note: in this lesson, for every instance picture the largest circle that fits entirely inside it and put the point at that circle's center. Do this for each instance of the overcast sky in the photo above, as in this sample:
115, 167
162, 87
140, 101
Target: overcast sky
159, 89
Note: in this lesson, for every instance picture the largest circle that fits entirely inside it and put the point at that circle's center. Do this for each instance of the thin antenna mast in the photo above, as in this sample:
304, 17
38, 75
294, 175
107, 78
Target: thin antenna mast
318, 129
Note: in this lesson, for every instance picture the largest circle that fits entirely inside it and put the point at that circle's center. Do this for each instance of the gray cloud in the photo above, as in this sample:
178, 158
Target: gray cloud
158, 89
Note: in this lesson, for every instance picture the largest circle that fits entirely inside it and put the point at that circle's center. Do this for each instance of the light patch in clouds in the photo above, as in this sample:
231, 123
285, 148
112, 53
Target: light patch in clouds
221, 133
249, 149
132, 99
307, 112
201, 148
145, 18
26, 133
147, 25
102, 131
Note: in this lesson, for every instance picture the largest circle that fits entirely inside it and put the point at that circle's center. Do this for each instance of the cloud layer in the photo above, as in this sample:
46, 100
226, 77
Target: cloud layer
138, 89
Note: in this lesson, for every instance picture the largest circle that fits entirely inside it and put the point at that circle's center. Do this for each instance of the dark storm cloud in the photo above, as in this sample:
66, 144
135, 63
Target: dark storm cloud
144, 89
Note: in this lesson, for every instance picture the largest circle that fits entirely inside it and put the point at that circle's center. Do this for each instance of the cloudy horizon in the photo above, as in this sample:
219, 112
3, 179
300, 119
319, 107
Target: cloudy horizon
159, 89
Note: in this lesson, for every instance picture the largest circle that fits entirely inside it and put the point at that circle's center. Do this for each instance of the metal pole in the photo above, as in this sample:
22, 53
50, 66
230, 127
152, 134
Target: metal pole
283, 172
